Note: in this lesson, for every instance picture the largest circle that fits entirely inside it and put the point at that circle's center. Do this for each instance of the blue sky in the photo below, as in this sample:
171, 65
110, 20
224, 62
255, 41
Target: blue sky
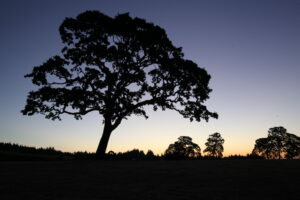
251, 48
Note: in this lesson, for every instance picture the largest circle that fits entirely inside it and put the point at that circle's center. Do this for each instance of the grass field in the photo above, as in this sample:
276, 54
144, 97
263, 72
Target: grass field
204, 179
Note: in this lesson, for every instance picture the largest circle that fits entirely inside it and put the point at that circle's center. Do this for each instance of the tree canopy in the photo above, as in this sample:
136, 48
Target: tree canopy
116, 67
184, 148
278, 144
214, 145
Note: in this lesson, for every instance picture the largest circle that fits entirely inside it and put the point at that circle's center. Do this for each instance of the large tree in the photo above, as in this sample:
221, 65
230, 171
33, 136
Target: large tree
116, 67
214, 145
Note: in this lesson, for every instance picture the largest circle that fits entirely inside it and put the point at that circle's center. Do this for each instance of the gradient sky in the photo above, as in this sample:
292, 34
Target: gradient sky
250, 47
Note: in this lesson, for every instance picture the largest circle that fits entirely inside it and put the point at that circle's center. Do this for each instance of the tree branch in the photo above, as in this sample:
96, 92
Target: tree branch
131, 109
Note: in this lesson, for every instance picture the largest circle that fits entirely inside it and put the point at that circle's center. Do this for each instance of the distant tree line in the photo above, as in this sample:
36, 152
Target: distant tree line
277, 145
11, 152
134, 154
24, 149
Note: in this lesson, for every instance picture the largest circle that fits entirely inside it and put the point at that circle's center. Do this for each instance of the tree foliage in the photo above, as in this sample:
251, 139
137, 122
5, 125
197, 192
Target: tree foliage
278, 144
116, 67
214, 145
184, 148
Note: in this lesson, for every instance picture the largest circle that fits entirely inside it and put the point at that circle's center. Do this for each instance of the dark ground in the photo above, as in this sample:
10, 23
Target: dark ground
204, 179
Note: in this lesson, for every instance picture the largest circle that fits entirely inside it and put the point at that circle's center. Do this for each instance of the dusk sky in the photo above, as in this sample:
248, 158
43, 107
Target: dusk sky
251, 48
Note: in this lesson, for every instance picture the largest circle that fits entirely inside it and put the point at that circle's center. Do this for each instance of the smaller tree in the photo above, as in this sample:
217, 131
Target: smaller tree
278, 144
277, 137
263, 148
184, 148
214, 145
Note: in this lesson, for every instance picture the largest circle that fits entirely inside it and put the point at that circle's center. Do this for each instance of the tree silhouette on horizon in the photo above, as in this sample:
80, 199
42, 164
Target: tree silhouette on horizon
184, 148
214, 145
116, 67
278, 144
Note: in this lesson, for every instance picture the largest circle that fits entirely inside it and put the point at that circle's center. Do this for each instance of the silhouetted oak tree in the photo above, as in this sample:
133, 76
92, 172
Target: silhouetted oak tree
116, 67
182, 149
278, 144
214, 145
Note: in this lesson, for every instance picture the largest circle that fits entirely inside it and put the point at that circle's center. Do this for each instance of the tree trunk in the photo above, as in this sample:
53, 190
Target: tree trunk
100, 153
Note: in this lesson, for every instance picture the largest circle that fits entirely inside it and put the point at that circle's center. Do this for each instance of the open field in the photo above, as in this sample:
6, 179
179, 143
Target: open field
204, 179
